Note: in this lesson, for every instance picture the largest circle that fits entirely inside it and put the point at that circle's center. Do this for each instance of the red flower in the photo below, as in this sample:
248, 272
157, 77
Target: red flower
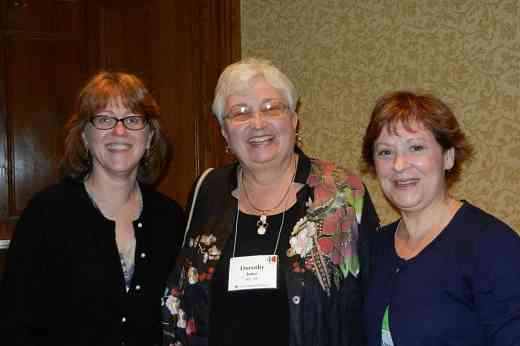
326, 245
322, 194
313, 180
190, 327
331, 222
356, 184
176, 292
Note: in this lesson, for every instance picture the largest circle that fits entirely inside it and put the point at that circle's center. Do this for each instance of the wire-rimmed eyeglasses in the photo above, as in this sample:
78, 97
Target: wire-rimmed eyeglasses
243, 113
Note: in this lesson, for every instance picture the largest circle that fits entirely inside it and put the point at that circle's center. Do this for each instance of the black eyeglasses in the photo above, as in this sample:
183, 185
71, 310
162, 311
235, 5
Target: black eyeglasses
132, 122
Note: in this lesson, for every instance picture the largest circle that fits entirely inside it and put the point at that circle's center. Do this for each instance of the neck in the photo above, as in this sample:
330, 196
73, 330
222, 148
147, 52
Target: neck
268, 193
271, 175
418, 229
116, 190
112, 195
418, 222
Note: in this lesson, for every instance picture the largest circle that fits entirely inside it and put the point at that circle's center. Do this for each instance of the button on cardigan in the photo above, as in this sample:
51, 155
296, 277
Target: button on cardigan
64, 283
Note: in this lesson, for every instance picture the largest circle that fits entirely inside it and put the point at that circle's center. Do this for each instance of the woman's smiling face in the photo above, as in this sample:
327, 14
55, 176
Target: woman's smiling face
410, 165
117, 151
261, 139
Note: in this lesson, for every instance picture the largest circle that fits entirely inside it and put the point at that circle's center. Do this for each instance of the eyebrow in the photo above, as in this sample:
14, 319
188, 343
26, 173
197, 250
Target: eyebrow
264, 101
407, 140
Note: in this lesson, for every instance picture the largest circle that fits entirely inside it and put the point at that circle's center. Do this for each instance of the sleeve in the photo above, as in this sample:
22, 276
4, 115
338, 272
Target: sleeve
173, 316
367, 230
179, 218
23, 281
497, 284
353, 298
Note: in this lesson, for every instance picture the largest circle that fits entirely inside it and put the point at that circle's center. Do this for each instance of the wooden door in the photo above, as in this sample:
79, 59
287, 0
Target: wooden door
41, 64
179, 49
48, 48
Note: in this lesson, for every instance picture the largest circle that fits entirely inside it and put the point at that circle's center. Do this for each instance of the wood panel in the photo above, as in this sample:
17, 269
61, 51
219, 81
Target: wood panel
41, 63
220, 29
4, 159
42, 16
38, 109
178, 48
49, 47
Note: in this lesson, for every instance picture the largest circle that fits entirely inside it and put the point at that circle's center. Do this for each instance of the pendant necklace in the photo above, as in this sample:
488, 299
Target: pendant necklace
262, 223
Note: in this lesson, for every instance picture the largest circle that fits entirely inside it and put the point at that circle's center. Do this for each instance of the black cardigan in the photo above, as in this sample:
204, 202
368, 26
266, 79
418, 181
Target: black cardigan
315, 319
64, 284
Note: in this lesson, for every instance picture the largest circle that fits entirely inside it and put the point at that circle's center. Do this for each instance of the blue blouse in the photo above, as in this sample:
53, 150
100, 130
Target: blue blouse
462, 289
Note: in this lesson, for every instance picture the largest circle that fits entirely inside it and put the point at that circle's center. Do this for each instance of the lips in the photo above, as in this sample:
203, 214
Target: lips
118, 146
404, 183
259, 140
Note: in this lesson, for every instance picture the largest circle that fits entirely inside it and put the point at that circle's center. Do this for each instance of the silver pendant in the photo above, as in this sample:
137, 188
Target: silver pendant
262, 224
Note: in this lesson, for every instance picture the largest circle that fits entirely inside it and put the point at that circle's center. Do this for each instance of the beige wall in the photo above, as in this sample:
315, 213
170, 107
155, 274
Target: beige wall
344, 54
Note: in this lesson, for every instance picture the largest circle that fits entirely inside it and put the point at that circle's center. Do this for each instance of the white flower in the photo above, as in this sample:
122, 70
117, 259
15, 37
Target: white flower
302, 242
214, 253
208, 239
181, 322
299, 225
172, 303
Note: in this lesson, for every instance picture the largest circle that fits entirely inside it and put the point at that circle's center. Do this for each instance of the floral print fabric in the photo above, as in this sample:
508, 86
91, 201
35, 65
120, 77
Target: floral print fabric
325, 239
323, 246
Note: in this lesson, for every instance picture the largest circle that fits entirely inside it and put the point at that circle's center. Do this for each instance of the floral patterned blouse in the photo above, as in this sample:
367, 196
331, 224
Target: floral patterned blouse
327, 257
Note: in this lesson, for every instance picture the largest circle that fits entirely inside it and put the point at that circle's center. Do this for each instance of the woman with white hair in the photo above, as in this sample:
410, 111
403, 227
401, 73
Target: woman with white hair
276, 249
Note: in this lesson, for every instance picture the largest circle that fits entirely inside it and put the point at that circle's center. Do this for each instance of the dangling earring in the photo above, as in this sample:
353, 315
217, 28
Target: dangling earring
87, 153
299, 139
228, 150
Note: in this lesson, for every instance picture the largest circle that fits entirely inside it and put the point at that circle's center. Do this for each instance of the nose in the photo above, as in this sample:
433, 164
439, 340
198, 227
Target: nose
119, 129
400, 162
257, 121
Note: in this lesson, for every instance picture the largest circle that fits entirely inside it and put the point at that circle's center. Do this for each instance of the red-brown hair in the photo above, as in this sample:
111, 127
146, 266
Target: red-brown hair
407, 108
95, 96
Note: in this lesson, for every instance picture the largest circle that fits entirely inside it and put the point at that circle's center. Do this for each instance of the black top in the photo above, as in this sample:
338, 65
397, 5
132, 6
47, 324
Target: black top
64, 283
241, 317
316, 318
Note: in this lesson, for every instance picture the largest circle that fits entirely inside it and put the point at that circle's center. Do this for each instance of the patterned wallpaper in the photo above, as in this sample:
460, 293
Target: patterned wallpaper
342, 55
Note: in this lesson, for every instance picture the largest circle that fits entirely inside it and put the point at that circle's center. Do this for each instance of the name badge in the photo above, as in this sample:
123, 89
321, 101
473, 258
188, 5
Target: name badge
252, 272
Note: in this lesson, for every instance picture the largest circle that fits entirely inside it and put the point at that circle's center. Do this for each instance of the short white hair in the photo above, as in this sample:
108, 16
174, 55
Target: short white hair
236, 77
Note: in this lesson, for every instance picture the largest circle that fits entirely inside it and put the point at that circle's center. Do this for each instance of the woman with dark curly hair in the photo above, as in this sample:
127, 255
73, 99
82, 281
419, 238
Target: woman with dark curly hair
90, 255
447, 272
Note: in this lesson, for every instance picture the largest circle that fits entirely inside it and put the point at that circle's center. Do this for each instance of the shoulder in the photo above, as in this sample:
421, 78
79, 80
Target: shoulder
220, 174
475, 220
484, 234
61, 193
219, 180
49, 209
159, 203
385, 234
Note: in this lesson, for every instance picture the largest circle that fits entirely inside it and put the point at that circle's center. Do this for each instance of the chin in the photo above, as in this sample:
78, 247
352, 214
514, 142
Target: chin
405, 203
262, 157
